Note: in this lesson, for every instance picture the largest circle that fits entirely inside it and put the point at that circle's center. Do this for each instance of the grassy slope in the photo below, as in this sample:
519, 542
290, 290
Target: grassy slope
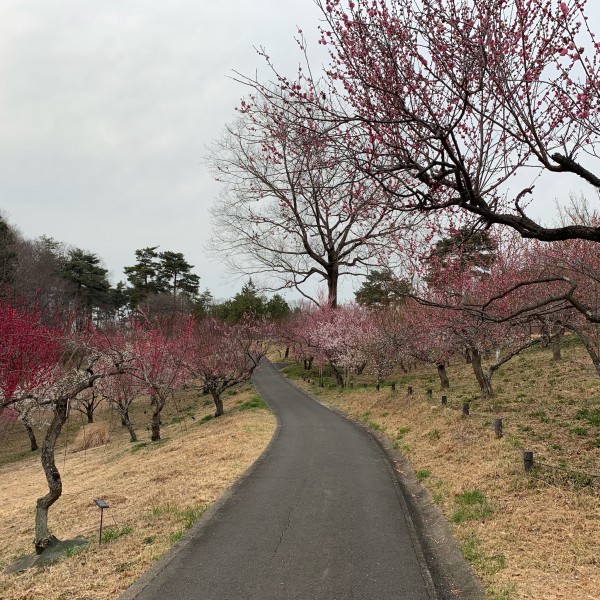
532, 536
155, 492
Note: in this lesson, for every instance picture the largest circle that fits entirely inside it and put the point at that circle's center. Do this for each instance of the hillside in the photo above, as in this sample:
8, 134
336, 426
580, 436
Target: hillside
155, 492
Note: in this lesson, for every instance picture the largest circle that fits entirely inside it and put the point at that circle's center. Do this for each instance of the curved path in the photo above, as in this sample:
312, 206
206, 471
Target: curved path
319, 517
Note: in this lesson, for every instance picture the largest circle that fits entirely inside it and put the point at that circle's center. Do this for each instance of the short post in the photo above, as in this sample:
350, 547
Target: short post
466, 409
101, 504
393, 386
429, 392
444, 400
498, 427
528, 460
410, 390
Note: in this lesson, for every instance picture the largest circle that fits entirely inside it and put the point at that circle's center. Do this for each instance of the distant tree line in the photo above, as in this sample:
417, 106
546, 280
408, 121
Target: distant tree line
68, 280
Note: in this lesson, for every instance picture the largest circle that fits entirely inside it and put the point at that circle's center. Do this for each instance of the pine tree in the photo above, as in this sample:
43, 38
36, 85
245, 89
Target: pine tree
88, 280
381, 288
175, 274
143, 277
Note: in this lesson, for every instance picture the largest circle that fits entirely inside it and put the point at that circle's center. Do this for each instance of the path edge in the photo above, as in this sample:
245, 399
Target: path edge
196, 529
451, 574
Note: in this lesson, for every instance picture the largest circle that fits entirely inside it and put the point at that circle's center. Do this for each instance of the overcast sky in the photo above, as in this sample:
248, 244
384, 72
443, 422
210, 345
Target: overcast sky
106, 109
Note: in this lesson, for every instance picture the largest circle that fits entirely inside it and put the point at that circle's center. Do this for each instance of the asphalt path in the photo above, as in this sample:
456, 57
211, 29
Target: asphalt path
319, 517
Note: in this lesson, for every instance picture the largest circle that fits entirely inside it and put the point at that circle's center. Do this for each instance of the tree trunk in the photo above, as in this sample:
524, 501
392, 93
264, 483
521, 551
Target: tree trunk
43, 537
218, 403
29, 429
441, 369
287, 352
556, 345
590, 347
131, 430
332, 280
556, 354
339, 377
125, 422
89, 411
155, 426
484, 381
308, 361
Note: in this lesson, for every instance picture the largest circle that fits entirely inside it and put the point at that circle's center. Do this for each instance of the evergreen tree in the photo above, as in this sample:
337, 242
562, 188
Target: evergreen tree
158, 275
8, 256
277, 308
246, 302
143, 276
381, 288
119, 299
175, 274
88, 281
204, 305
467, 249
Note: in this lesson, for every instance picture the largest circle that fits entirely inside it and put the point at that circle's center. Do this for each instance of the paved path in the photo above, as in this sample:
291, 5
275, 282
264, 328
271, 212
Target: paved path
318, 518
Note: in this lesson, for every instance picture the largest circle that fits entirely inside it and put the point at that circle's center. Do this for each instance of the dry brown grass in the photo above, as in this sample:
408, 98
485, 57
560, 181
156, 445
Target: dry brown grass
91, 435
154, 491
534, 537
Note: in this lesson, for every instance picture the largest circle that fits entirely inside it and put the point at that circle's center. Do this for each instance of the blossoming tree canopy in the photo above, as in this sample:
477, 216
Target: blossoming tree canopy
157, 351
453, 97
29, 353
226, 354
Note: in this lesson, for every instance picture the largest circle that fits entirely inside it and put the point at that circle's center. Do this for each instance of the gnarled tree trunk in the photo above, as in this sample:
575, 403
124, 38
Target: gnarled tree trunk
360, 368
125, 422
43, 537
556, 344
218, 402
132, 434
589, 345
339, 376
159, 404
29, 429
441, 369
483, 379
